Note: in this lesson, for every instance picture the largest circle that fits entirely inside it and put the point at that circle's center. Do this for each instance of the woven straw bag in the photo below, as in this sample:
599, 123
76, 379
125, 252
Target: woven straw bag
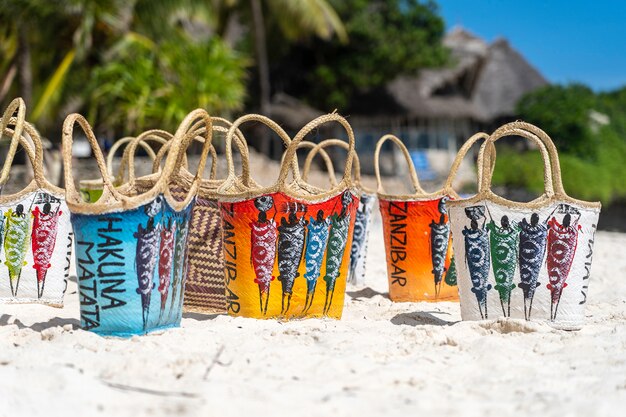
130, 245
284, 245
204, 288
35, 230
524, 260
358, 251
417, 233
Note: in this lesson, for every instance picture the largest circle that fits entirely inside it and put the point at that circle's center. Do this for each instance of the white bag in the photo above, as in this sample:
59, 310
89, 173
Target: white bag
35, 230
524, 260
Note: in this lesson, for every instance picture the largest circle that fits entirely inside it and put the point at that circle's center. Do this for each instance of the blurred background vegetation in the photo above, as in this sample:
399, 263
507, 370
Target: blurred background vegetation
130, 65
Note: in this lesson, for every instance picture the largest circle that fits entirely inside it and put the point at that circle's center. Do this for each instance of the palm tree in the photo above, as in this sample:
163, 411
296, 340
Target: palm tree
34, 27
295, 18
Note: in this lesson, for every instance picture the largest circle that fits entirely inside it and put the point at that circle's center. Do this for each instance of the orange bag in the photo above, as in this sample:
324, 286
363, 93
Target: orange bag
285, 245
417, 233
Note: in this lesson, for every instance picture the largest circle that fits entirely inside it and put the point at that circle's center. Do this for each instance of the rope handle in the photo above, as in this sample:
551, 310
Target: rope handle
156, 162
460, 156
553, 185
414, 180
15, 126
342, 144
242, 147
125, 163
290, 154
197, 120
128, 159
108, 192
181, 140
240, 142
231, 179
327, 161
30, 153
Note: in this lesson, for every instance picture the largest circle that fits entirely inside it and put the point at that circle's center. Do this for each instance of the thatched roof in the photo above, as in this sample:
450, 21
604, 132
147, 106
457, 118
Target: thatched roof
483, 83
504, 78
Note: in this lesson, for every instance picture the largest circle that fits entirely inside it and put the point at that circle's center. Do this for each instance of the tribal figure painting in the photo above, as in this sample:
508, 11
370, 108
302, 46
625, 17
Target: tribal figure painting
204, 290
35, 229
528, 261
128, 243
417, 233
287, 247
363, 217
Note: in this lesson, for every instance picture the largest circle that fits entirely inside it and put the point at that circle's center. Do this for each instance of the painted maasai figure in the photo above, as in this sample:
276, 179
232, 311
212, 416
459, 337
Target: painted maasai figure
359, 235
562, 242
316, 240
264, 235
16, 242
450, 278
146, 262
291, 234
439, 240
180, 263
532, 248
43, 240
166, 251
504, 245
340, 223
477, 258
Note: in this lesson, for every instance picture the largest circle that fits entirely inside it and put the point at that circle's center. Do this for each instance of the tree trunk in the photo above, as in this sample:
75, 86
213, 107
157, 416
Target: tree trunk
8, 81
25, 75
261, 56
263, 66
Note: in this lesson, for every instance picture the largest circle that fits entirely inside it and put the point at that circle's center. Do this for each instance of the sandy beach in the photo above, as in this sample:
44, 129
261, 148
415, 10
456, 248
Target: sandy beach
382, 358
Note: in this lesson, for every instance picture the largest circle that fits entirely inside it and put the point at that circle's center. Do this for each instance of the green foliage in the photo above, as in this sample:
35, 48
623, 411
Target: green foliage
563, 111
301, 18
147, 86
387, 38
131, 65
597, 174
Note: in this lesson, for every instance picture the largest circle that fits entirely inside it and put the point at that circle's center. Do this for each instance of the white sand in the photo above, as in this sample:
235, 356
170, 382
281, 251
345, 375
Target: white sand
380, 359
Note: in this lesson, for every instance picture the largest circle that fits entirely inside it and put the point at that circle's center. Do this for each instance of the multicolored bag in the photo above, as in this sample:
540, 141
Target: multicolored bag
524, 260
417, 234
35, 230
358, 251
130, 245
204, 288
285, 245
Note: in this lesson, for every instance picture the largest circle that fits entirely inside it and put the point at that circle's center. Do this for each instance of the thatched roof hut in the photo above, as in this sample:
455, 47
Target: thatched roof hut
440, 107
484, 83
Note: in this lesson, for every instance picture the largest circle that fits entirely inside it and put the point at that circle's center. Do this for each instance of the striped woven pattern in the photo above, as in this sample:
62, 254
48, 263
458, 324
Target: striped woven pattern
204, 291
204, 288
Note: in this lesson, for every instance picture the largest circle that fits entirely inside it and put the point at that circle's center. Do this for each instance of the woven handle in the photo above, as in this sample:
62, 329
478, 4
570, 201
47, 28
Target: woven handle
30, 153
160, 137
448, 188
124, 165
240, 142
290, 154
109, 192
195, 122
156, 162
15, 127
356, 171
242, 147
332, 178
231, 179
414, 181
553, 185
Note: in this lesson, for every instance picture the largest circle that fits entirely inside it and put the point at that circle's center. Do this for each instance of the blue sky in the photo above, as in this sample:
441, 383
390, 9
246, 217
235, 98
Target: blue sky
568, 41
